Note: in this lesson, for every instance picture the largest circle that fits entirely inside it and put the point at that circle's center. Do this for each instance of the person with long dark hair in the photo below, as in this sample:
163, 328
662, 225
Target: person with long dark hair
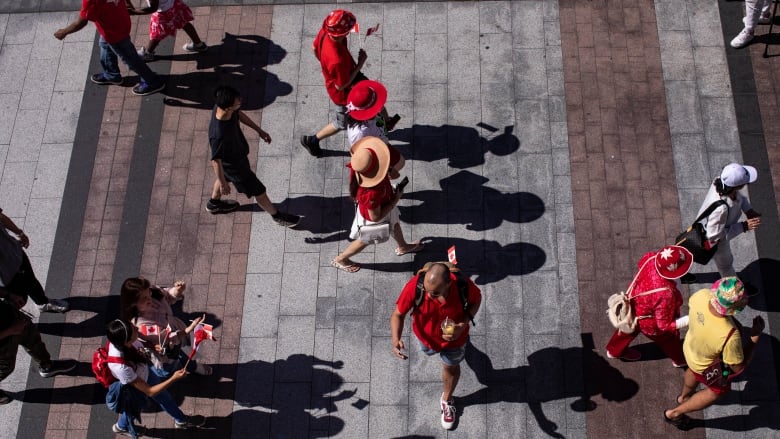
148, 308
133, 370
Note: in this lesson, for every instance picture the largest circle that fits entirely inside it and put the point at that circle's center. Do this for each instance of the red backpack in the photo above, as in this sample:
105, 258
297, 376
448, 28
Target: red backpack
100, 360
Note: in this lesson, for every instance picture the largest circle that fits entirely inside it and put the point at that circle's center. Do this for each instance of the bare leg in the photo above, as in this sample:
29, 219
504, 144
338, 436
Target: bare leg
266, 204
215, 192
192, 33
354, 248
692, 401
449, 376
403, 246
151, 45
326, 131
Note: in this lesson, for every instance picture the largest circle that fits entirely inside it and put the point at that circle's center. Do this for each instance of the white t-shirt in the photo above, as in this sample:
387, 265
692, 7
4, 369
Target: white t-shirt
123, 372
367, 128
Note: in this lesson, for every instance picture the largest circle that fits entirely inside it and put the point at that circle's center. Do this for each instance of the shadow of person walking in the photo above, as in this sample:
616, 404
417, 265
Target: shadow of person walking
552, 373
239, 61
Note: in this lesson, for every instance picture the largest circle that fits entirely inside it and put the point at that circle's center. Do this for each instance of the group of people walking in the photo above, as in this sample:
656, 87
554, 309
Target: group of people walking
442, 301
713, 351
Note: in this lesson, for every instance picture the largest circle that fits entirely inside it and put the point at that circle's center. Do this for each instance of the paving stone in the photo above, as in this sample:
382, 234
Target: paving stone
712, 72
261, 298
294, 347
13, 65
533, 125
26, 140
286, 30
464, 82
429, 18
430, 53
389, 376
387, 418
63, 118
299, 293
20, 29
461, 32
677, 56
50, 174
495, 17
495, 50
717, 117
352, 345
683, 104
690, 158
528, 25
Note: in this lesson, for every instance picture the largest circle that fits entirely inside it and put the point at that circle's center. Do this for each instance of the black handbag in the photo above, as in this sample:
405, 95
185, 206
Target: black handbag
694, 237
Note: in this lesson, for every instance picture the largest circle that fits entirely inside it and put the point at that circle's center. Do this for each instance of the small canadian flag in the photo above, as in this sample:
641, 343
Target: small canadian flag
150, 330
202, 332
451, 255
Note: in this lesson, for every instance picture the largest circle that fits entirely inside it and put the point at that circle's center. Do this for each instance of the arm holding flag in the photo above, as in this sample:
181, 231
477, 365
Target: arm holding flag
152, 391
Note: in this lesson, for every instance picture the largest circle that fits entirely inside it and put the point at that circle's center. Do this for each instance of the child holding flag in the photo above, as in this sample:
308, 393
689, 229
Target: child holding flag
148, 308
134, 371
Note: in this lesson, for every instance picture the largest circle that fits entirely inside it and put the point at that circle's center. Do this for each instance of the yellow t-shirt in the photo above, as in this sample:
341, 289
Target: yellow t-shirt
706, 334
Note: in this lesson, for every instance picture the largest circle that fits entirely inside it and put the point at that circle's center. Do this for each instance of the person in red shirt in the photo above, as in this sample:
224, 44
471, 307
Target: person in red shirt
340, 71
656, 301
112, 21
440, 302
375, 198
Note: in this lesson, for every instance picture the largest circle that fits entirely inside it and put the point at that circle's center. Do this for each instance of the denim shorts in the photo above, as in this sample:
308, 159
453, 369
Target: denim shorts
450, 357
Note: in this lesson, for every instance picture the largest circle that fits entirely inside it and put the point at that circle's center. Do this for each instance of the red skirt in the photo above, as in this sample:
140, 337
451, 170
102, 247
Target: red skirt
164, 24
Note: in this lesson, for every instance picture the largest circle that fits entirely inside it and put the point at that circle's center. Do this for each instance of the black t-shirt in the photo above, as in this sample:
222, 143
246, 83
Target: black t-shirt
228, 143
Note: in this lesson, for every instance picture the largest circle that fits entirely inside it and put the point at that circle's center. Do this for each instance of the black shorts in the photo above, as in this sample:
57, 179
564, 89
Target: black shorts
246, 182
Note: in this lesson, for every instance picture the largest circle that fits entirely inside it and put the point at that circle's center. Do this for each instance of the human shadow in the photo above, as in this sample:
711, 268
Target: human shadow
238, 61
322, 215
551, 374
464, 147
300, 392
464, 199
102, 306
490, 260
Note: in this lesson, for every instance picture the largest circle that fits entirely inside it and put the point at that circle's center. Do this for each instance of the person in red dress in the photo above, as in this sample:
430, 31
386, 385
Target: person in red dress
658, 311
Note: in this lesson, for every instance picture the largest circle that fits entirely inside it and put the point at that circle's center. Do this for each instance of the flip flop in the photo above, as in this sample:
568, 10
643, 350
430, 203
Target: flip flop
418, 246
682, 422
349, 268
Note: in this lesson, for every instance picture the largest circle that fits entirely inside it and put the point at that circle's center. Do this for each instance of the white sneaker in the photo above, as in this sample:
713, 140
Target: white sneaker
742, 39
54, 305
192, 47
448, 413
146, 56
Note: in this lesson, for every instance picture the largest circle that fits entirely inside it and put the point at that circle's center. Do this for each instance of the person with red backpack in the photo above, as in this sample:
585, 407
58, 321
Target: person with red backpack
17, 329
440, 320
129, 367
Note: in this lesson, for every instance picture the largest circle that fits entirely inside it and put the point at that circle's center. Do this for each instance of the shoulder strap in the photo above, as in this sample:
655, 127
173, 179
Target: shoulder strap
463, 292
711, 208
419, 292
633, 281
733, 330
649, 292
119, 360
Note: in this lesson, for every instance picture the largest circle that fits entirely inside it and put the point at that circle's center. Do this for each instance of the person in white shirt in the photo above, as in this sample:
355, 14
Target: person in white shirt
723, 224
133, 370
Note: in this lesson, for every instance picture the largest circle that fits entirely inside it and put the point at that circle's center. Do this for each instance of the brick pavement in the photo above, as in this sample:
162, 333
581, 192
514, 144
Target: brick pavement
620, 145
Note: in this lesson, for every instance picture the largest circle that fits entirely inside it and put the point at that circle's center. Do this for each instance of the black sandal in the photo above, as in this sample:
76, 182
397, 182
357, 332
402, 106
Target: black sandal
683, 422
